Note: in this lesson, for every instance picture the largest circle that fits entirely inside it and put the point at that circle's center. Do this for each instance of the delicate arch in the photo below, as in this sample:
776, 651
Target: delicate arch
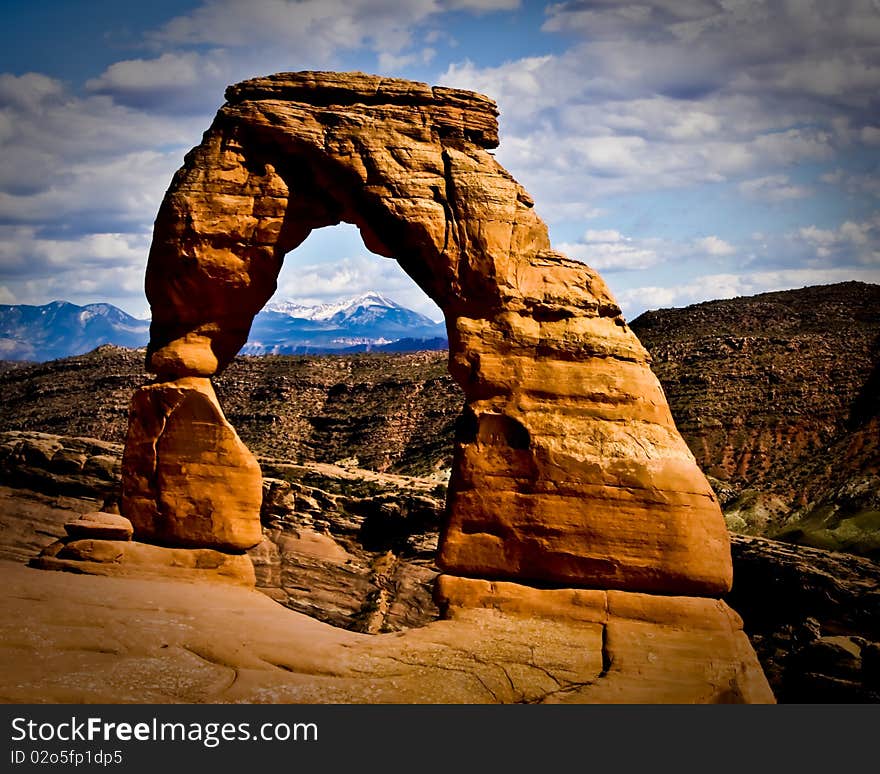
568, 468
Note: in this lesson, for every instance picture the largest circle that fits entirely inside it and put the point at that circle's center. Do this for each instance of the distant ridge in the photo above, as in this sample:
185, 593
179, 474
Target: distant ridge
365, 323
778, 397
61, 329
368, 322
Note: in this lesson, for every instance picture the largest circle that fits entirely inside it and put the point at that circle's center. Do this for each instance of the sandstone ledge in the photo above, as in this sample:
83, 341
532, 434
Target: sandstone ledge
129, 559
686, 647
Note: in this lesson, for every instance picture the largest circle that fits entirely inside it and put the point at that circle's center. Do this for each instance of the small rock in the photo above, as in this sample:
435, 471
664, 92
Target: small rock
103, 466
100, 526
67, 461
837, 657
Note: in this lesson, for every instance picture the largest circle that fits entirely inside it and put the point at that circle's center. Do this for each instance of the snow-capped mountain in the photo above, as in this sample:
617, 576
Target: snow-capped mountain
337, 311
62, 329
368, 322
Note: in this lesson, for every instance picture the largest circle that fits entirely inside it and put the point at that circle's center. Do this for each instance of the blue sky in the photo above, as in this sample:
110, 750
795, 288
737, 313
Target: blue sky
687, 149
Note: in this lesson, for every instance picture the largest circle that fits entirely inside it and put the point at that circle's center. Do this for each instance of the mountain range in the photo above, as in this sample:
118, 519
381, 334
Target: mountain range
364, 323
368, 322
61, 329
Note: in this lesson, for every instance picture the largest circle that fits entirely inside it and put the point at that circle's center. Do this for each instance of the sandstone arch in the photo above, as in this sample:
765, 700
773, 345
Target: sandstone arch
568, 468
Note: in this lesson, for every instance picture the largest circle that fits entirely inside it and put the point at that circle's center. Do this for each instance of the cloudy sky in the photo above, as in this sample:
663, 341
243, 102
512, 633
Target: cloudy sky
687, 149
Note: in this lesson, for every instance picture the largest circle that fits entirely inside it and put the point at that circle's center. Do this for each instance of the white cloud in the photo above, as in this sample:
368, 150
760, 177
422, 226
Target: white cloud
870, 135
80, 185
569, 136
819, 236
662, 95
603, 235
524, 87
853, 242
169, 71
28, 91
225, 41
854, 183
68, 161
609, 250
319, 27
483, 5
389, 63
313, 31
806, 49
773, 188
714, 245
654, 95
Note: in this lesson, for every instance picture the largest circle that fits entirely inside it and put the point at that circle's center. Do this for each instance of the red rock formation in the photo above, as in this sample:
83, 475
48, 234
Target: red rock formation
568, 467
188, 479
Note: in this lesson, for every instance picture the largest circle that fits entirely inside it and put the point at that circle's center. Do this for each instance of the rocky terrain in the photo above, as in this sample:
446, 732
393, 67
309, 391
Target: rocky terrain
389, 413
778, 397
573, 502
355, 549
786, 424
351, 547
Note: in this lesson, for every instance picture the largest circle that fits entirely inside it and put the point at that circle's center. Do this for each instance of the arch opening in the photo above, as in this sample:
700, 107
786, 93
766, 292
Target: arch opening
380, 396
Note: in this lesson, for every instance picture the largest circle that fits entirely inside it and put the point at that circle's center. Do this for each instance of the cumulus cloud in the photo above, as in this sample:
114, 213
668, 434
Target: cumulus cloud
68, 159
660, 95
613, 101
713, 245
851, 242
609, 250
573, 146
82, 269
187, 82
224, 41
612, 252
773, 188
808, 48
320, 27
854, 183
391, 63
80, 184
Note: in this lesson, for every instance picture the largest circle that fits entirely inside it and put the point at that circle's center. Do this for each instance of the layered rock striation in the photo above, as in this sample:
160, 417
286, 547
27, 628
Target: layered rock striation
778, 396
567, 467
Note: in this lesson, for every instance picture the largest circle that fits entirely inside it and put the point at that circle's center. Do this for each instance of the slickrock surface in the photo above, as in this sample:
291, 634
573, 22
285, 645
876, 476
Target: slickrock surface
77, 639
567, 465
355, 549
351, 547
